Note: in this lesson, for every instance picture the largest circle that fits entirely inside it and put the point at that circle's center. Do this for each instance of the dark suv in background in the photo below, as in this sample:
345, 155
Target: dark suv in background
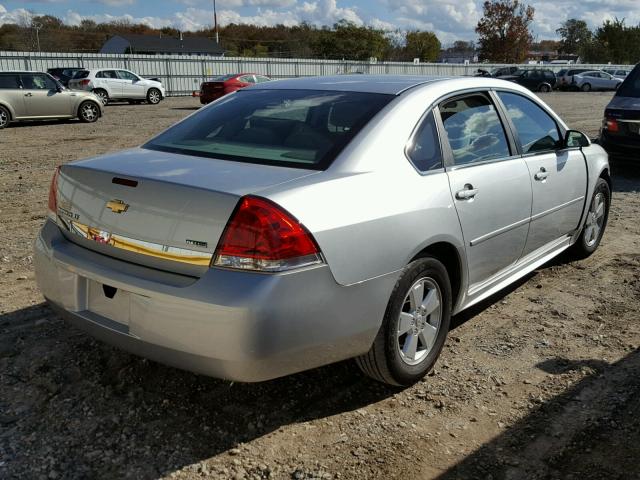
620, 132
537, 80
63, 75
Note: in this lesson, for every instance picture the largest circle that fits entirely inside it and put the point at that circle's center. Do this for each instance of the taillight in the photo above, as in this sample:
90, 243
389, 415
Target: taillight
53, 192
85, 82
610, 124
262, 236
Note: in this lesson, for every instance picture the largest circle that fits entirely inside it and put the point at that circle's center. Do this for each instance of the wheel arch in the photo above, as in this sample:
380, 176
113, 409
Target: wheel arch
12, 113
606, 175
449, 255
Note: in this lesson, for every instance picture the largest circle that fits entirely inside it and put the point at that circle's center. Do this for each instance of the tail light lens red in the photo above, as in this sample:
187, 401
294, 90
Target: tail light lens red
53, 192
610, 124
262, 236
85, 82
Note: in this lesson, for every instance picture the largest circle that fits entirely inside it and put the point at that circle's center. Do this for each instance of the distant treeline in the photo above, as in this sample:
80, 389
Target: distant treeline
342, 40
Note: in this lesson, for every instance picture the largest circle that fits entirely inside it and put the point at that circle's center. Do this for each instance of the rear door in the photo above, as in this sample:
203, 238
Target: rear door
42, 98
558, 175
489, 183
132, 86
11, 93
109, 79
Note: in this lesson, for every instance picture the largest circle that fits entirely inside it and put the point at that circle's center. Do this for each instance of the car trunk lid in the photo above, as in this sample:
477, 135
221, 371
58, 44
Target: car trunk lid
158, 209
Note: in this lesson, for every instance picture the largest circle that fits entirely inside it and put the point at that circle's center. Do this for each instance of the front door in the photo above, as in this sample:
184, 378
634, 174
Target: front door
42, 97
489, 184
558, 175
132, 86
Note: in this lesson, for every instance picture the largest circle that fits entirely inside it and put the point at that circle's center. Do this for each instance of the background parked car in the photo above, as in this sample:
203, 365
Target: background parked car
38, 96
620, 132
220, 86
64, 74
595, 80
622, 74
497, 72
118, 84
565, 76
537, 80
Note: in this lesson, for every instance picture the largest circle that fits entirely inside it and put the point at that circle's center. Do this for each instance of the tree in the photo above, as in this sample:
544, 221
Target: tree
503, 31
575, 35
422, 45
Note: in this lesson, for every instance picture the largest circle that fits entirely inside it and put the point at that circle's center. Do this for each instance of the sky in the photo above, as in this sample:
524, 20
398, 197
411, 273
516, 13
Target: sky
450, 19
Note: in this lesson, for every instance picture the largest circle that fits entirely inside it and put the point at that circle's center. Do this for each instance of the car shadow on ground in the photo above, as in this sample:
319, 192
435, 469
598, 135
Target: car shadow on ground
110, 414
589, 432
38, 123
189, 109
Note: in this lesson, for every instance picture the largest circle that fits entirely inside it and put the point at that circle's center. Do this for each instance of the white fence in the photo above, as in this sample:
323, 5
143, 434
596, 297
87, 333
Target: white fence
183, 74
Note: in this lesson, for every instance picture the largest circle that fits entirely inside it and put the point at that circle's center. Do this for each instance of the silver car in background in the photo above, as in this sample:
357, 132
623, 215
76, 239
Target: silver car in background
28, 95
595, 80
301, 222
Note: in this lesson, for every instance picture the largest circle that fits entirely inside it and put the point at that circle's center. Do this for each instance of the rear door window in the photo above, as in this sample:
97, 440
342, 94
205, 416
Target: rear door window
107, 74
424, 150
536, 129
9, 81
474, 130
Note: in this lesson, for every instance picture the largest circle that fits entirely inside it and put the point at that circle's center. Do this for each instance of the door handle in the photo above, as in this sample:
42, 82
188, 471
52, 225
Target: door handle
468, 193
542, 174
28, 94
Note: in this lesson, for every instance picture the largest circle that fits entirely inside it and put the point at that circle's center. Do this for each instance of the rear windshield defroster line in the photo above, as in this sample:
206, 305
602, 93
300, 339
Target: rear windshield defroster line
289, 128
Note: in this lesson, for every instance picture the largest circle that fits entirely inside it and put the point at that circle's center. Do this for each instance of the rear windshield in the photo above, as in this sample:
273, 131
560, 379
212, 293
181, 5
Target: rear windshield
81, 74
630, 87
293, 128
222, 78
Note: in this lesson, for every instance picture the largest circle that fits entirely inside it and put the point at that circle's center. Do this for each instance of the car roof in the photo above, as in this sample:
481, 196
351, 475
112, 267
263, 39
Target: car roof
386, 84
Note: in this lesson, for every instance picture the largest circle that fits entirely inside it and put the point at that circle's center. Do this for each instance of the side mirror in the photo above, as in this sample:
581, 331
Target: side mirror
576, 139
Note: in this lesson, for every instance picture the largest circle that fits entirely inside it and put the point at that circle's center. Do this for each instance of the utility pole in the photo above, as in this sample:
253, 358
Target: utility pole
37, 26
215, 22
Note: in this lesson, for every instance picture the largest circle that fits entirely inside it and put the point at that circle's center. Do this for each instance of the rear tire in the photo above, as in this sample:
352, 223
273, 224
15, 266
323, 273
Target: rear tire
88, 112
415, 325
545, 88
154, 96
596, 222
586, 87
102, 95
5, 117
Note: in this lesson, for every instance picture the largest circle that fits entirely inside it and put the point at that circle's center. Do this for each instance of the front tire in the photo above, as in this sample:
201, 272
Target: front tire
5, 117
586, 87
88, 112
545, 88
415, 325
154, 96
596, 221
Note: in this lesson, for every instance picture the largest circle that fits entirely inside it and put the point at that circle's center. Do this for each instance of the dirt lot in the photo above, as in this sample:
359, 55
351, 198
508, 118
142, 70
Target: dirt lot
542, 381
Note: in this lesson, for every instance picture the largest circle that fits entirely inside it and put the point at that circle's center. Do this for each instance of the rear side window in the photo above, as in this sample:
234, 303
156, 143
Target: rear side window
630, 87
107, 74
9, 81
536, 130
424, 150
294, 128
474, 130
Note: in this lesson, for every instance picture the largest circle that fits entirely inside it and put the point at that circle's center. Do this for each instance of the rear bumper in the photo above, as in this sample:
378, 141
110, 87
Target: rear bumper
206, 98
235, 325
620, 145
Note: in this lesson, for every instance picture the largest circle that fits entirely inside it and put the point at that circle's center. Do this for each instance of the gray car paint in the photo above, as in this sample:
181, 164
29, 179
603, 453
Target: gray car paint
370, 212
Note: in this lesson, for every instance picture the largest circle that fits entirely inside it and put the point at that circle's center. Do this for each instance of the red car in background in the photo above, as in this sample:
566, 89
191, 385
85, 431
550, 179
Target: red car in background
220, 86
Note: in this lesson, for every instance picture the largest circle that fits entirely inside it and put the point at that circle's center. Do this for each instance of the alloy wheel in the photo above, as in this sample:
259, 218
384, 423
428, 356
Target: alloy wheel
4, 118
419, 321
154, 97
595, 219
89, 112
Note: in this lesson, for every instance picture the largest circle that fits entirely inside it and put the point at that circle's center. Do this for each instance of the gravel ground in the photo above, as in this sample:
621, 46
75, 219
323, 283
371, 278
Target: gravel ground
541, 381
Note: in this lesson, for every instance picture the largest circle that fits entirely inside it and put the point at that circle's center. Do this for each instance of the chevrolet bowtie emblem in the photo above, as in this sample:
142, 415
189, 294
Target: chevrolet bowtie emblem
117, 206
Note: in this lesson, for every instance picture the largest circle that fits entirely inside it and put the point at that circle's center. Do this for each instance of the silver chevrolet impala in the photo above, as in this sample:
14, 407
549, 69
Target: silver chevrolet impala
302, 222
